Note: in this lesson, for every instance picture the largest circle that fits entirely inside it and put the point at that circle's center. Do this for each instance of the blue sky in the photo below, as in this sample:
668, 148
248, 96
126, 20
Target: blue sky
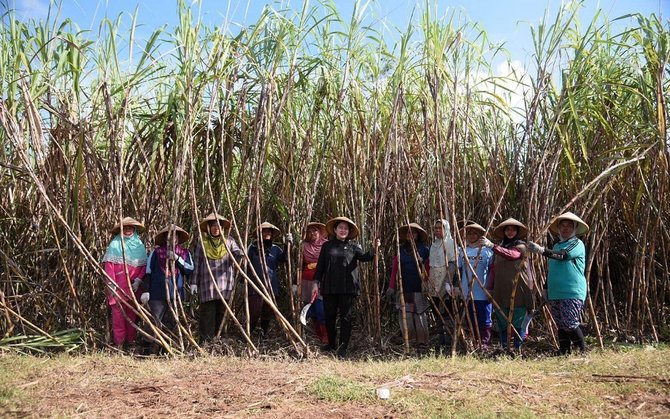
504, 20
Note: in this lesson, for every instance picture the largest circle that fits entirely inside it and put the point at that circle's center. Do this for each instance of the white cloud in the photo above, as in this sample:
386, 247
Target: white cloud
30, 9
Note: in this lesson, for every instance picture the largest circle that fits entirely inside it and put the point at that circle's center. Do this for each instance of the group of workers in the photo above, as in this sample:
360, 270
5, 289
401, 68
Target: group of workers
452, 285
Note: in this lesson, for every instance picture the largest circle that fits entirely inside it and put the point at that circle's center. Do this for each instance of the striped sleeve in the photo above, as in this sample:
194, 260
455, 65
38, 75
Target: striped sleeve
567, 253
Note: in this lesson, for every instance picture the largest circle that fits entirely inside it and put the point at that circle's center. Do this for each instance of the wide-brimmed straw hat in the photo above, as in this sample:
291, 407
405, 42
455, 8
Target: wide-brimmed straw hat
161, 237
353, 228
225, 224
402, 232
318, 225
276, 232
461, 223
582, 227
471, 224
128, 221
499, 231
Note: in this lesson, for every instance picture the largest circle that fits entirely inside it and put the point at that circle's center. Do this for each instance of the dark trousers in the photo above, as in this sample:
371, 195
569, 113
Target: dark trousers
163, 314
332, 304
211, 316
259, 310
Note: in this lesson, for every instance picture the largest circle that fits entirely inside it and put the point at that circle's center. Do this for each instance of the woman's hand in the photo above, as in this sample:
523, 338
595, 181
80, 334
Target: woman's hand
484, 242
534, 247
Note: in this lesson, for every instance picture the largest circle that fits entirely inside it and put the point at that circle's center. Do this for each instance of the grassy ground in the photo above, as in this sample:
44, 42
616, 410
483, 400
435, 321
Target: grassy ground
616, 382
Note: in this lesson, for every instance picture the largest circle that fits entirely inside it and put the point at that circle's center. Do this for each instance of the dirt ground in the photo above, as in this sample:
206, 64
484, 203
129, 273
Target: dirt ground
614, 384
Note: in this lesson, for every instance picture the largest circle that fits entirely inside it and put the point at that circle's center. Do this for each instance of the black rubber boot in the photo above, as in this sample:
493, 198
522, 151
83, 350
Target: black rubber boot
564, 342
577, 338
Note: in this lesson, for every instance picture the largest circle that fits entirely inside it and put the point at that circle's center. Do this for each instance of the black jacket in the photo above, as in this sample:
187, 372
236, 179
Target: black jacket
337, 268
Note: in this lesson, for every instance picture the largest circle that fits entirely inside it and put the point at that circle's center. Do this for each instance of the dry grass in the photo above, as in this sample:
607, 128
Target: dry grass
612, 383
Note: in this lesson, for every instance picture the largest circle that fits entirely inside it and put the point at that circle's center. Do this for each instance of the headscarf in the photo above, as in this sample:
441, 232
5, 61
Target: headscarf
574, 231
215, 247
136, 253
442, 250
507, 243
311, 250
161, 253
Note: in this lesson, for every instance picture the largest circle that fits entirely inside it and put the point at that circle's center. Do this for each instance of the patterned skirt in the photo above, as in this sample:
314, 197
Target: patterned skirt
566, 313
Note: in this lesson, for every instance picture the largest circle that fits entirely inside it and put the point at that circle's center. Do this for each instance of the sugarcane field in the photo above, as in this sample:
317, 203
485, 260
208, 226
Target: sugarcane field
334, 209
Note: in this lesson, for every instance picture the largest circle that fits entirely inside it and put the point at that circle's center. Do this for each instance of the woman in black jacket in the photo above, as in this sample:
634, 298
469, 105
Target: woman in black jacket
337, 276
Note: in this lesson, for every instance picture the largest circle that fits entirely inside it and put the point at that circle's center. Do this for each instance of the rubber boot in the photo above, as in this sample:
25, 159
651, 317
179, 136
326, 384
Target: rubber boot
563, 342
577, 337
485, 335
322, 332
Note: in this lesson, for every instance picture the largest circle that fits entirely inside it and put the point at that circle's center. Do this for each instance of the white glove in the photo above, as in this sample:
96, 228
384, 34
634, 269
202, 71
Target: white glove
294, 288
136, 284
194, 289
486, 242
447, 288
288, 238
144, 298
171, 255
534, 247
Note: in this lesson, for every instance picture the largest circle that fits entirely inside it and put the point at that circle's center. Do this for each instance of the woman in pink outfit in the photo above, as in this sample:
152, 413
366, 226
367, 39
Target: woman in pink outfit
125, 263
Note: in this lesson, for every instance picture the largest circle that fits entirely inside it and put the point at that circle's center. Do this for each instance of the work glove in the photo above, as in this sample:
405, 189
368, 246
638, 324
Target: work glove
136, 284
288, 238
534, 247
194, 289
484, 242
294, 288
144, 298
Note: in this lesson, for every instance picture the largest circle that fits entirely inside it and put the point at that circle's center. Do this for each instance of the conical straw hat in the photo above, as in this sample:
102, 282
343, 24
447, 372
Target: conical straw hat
402, 232
582, 227
276, 232
320, 226
475, 226
161, 237
353, 228
128, 221
499, 231
225, 224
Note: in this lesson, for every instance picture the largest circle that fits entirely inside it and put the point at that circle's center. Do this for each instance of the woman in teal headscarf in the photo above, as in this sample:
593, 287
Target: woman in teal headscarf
125, 264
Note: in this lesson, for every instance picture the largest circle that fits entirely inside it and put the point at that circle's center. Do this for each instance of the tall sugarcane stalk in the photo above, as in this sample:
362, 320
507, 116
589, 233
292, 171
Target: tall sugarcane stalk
306, 115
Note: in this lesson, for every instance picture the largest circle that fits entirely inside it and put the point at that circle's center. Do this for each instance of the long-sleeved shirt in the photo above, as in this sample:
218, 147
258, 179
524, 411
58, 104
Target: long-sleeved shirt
412, 279
117, 272
480, 259
274, 255
157, 282
565, 278
337, 268
222, 271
